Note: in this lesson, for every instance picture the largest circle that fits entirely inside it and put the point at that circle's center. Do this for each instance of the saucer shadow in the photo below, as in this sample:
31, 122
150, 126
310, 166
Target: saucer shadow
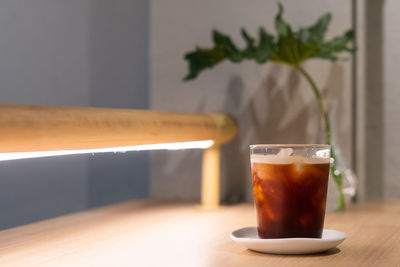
328, 252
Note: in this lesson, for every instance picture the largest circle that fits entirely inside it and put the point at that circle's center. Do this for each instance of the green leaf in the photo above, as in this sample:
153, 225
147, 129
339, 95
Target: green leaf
249, 40
287, 47
287, 51
202, 59
340, 43
331, 49
282, 28
317, 31
250, 51
265, 47
225, 42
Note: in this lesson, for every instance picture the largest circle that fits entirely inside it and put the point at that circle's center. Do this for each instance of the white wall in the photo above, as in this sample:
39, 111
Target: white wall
272, 103
391, 98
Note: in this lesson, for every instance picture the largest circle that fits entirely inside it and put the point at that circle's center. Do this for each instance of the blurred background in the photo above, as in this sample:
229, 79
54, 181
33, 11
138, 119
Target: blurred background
129, 54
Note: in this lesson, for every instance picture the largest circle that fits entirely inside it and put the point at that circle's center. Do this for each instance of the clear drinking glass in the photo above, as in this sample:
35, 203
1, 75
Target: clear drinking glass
290, 185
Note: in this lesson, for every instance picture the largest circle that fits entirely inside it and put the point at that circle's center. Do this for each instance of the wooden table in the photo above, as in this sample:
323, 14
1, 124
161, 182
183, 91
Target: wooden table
147, 233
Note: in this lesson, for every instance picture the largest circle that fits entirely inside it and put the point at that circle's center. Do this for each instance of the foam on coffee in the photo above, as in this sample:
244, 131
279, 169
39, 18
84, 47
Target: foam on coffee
285, 156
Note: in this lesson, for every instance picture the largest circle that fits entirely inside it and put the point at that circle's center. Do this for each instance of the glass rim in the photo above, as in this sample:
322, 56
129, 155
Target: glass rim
290, 145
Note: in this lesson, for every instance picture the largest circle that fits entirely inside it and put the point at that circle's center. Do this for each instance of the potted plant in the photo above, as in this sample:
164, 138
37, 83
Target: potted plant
288, 47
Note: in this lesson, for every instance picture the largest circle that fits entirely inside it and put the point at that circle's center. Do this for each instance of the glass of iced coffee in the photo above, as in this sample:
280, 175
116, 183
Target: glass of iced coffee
290, 186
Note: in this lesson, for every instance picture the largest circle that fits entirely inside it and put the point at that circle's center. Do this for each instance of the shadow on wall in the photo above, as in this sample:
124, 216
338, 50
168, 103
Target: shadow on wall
182, 170
275, 113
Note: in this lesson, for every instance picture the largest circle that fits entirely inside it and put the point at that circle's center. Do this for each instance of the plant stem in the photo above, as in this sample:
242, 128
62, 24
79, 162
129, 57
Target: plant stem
336, 174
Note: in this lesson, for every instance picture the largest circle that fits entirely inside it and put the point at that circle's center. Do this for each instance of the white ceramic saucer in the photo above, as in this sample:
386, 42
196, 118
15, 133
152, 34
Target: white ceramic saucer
248, 237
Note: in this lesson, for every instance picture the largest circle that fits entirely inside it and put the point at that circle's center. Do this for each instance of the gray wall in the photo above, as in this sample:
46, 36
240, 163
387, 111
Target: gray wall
379, 85
272, 103
83, 53
391, 98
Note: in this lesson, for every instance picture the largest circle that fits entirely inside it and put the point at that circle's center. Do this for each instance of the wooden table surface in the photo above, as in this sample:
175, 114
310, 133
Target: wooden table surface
147, 233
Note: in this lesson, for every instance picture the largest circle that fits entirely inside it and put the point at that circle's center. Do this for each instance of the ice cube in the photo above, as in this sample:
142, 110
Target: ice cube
285, 152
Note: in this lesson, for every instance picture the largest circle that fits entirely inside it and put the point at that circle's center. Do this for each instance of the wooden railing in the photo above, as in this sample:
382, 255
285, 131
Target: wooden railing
25, 128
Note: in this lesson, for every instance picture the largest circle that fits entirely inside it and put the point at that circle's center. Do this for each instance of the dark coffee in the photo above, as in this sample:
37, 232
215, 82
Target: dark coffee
290, 197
